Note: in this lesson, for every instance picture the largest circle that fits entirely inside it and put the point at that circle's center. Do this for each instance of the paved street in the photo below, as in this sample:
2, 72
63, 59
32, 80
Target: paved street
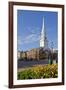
25, 63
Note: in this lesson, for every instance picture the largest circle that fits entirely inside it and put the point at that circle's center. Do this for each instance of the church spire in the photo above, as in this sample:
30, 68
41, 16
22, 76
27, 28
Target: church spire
43, 37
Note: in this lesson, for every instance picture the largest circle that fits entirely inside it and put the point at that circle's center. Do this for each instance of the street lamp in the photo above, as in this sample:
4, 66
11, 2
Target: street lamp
52, 45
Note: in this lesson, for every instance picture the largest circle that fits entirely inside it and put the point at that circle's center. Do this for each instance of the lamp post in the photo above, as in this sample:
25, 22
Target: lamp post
52, 52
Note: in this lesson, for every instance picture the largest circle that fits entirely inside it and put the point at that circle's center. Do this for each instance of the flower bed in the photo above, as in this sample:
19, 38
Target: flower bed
38, 72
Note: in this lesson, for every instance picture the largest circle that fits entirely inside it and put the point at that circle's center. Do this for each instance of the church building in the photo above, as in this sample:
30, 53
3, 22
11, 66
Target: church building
41, 53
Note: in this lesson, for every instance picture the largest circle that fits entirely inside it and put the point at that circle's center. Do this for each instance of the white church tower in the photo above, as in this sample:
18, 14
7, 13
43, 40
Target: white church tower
43, 37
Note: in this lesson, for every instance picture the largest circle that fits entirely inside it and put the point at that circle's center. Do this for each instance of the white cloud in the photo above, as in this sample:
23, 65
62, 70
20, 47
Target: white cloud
33, 29
31, 38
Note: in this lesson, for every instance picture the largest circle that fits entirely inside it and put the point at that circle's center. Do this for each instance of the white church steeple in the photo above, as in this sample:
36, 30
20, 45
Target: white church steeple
43, 37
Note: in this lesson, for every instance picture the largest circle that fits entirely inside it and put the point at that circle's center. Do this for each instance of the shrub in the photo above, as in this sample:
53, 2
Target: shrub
37, 72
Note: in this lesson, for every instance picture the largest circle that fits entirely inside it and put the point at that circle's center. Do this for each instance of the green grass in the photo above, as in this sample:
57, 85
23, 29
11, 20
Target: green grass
38, 72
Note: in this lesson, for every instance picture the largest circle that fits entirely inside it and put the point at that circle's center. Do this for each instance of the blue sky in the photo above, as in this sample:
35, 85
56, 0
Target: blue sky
29, 26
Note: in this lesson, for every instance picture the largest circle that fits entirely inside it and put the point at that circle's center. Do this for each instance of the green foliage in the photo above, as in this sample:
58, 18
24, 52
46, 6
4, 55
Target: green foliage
37, 72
